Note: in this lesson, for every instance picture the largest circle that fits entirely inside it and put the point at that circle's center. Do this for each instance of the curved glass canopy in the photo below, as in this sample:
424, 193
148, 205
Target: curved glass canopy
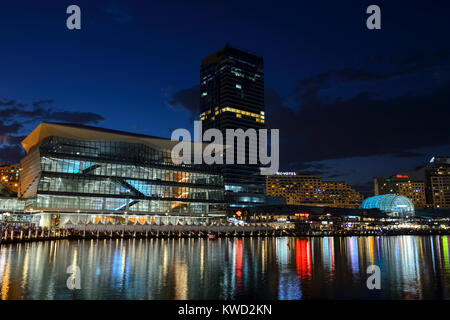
391, 204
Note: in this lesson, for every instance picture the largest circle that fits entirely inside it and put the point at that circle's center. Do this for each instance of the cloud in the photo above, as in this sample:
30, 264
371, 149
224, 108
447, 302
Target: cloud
7, 103
16, 113
361, 126
368, 122
415, 73
17, 119
42, 102
187, 99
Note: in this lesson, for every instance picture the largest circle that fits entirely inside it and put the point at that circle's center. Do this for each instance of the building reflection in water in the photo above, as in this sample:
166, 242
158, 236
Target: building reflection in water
238, 268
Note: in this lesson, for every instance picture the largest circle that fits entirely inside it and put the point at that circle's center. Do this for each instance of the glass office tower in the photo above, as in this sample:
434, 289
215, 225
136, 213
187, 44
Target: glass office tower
232, 97
106, 175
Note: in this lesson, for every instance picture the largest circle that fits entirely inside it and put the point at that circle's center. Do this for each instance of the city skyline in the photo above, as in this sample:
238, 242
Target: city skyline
319, 91
208, 159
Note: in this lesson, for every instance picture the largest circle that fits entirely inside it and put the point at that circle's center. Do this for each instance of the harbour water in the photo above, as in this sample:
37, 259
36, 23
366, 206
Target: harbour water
412, 267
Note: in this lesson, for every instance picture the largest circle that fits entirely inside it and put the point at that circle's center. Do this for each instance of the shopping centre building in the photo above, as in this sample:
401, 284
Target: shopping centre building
86, 174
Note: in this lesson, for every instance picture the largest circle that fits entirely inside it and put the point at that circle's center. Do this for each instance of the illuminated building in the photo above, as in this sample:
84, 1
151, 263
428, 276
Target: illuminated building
434, 176
437, 179
74, 172
402, 185
9, 176
304, 189
232, 97
391, 204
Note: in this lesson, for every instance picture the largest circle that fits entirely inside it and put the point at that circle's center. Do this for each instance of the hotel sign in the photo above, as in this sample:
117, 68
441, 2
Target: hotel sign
286, 173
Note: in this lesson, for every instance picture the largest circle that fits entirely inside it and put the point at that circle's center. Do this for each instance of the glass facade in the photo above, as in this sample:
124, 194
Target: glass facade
116, 177
391, 204
11, 205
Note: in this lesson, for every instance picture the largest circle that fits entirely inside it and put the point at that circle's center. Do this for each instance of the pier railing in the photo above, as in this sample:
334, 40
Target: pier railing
257, 227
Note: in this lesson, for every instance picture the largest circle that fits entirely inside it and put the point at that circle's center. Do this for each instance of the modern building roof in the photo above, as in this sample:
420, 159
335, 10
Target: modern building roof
215, 57
88, 133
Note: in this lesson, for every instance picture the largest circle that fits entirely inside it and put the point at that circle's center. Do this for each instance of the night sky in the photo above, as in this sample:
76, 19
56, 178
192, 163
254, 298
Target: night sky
351, 103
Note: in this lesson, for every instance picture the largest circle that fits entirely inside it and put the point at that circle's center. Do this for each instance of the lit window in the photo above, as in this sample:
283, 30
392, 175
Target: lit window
238, 86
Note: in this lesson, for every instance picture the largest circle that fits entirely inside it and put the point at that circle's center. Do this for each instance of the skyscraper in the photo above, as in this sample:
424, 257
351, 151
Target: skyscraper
232, 97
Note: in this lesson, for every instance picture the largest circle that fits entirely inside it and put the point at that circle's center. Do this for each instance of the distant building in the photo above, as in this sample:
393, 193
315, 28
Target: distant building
232, 97
299, 188
390, 204
435, 176
437, 179
9, 176
402, 185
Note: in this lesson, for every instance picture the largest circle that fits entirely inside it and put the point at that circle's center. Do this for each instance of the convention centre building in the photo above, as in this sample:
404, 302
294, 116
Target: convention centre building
87, 174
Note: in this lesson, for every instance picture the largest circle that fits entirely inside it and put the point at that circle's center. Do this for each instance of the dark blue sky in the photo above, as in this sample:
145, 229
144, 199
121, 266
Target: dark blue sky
350, 103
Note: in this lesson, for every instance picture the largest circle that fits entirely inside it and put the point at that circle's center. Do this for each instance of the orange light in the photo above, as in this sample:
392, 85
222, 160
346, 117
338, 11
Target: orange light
301, 214
239, 213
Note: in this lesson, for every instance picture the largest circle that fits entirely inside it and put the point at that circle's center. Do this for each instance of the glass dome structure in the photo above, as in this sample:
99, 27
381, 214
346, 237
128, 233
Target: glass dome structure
391, 204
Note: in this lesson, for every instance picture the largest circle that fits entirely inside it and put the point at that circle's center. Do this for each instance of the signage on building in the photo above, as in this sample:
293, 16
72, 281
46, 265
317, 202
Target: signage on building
286, 173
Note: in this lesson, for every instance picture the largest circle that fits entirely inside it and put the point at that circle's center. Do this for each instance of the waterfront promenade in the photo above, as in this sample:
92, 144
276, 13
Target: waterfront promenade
13, 234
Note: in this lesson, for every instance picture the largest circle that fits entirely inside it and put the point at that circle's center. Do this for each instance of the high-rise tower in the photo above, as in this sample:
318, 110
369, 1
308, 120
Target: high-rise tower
232, 97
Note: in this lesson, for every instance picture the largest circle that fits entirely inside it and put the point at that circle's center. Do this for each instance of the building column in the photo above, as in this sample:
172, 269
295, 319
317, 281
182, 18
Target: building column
46, 220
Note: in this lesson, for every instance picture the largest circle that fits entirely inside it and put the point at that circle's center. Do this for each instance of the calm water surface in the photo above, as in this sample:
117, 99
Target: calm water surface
412, 267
